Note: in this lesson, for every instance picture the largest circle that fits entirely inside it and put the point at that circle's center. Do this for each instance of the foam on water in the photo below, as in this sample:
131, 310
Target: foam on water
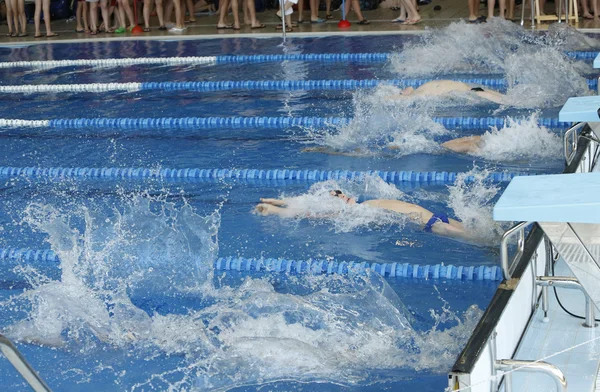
340, 329
520, 140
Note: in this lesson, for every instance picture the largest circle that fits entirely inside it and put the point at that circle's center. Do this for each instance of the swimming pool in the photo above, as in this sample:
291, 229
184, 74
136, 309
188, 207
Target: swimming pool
139, 303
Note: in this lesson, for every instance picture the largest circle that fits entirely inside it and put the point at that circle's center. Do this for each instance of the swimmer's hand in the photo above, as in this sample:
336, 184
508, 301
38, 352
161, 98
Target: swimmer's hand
262, 209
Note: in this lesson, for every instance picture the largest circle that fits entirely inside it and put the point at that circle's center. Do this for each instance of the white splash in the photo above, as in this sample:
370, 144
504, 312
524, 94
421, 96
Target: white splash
470, 199
341, 330
519, 140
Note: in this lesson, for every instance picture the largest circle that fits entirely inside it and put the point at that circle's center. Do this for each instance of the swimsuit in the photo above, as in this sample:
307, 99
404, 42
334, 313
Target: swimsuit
477, 89
433, 220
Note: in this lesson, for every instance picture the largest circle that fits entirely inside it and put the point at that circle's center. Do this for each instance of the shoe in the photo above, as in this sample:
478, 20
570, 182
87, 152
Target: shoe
38, 35
480, 19
162, 28
398, 20
318, 20
260, 26
176, 29
409, 22
328, 16
120, 30
22, 35
52, 35
146, 29
226, 27
365, 22
300, 21
80, 31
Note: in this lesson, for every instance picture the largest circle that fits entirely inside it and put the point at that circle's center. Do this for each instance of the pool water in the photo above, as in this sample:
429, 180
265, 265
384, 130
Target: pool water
136, 303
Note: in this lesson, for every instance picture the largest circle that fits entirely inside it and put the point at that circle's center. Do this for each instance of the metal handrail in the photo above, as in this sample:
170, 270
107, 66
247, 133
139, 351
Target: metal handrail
570, 142
520, 229
531, 366
23, 367
566, 282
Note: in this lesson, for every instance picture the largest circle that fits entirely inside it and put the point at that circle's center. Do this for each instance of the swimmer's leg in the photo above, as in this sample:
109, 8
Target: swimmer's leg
464, 145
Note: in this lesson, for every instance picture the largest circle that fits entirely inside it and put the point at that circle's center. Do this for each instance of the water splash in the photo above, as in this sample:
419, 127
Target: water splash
520, 140
481, 48
470, 199
121, 262
383, 126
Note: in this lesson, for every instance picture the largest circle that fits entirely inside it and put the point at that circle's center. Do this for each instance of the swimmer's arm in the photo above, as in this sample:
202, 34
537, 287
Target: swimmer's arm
492, 96
467, 144
274, 202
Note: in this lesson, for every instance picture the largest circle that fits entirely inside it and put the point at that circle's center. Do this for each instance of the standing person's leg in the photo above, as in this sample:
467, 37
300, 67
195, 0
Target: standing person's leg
93, 17
105, 16
300, 11
355, 5
127, 7
328, 9
314, 12
235, 9
146, 12
473, 10
190, 10
168, 10
223, 9
412, 15
160, 13
9, 19
491, 4
178, 19
36, 18
46, 5
254, 23
22, 17
585, 9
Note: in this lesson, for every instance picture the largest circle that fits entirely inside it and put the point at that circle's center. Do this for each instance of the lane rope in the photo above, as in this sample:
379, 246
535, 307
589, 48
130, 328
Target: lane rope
138, 173
213, 60
393, 270
196, 123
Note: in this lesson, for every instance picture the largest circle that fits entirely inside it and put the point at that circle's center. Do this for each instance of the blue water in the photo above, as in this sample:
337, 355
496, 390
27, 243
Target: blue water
240, 233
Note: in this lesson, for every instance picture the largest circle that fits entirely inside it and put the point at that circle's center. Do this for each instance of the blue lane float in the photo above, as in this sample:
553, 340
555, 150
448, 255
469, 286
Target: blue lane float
48, 260
138, 173
392, 270
197, 123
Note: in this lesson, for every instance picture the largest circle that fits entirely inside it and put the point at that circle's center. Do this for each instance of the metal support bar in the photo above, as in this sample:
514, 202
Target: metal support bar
533, 367
23, 367
520, 229
570, 142
567, 282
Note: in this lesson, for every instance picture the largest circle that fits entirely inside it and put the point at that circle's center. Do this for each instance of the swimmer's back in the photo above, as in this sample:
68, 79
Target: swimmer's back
441, 87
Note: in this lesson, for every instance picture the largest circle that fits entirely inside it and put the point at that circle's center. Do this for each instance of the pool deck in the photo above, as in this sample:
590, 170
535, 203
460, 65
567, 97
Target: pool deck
563, 342
205, 26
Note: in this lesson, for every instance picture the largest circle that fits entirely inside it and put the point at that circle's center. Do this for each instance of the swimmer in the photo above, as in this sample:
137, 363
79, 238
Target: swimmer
432, 223
462, 145
438, 88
